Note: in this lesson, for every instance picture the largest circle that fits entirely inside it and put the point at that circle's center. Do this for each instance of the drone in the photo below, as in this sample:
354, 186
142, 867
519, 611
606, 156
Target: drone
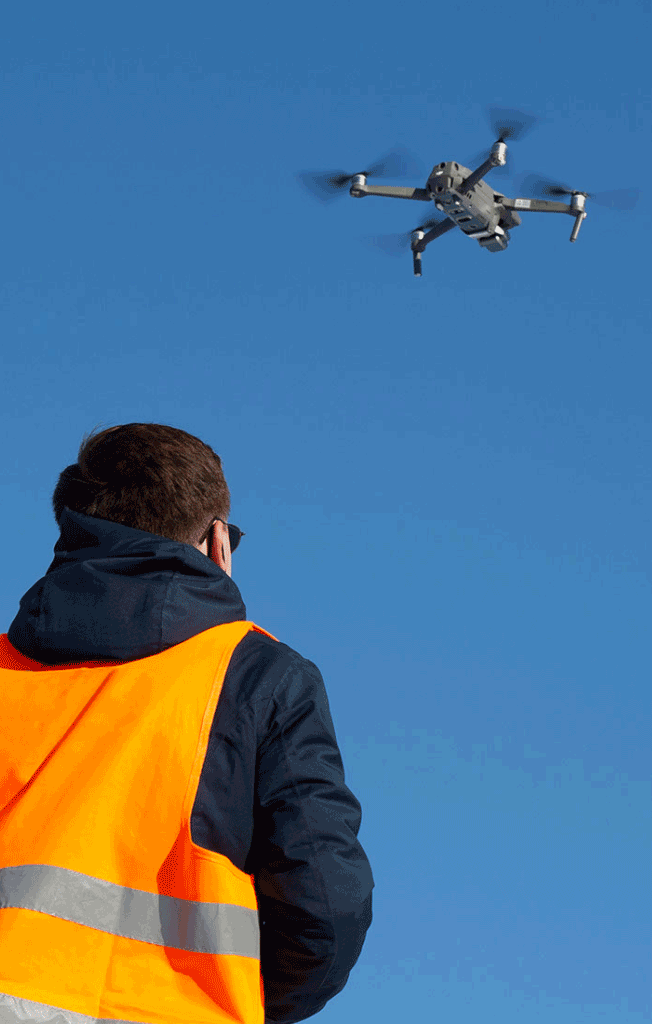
463, 196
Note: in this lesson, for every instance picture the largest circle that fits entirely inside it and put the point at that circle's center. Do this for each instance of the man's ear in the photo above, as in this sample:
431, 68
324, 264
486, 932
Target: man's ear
213, 546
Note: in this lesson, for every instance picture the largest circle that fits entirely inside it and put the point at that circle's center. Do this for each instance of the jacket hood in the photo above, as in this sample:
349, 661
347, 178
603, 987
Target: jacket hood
113, 592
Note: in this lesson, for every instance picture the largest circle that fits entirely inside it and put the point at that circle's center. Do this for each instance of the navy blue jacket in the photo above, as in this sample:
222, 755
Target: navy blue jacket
272, 796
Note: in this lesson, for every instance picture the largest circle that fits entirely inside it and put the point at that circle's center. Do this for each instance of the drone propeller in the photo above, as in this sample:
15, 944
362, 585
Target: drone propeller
392, 245
510, 124
398, 163
617, 199
505, 124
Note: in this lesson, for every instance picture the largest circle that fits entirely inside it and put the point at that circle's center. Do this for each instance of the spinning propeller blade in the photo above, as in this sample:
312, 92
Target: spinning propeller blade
393, 245
617, 199
510, 124
327, 185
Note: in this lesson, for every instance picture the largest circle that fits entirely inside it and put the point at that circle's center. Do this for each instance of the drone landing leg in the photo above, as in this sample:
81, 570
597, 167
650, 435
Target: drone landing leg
577, 225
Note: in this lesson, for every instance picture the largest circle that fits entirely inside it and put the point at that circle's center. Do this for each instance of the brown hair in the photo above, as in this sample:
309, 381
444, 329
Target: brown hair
148, 476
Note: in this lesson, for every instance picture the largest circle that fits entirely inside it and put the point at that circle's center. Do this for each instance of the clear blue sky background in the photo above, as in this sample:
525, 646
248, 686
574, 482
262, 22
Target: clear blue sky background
445, 481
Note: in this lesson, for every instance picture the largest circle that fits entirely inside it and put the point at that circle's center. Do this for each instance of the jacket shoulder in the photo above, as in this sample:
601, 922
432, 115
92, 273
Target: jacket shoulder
274, 800
255, 689
263, 669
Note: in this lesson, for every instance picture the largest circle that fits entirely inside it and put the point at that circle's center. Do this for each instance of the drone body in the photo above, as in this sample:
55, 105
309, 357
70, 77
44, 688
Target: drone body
467, 201
470, 204
476, 211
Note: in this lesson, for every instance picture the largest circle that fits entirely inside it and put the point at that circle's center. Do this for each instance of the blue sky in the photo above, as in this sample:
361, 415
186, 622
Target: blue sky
444, 482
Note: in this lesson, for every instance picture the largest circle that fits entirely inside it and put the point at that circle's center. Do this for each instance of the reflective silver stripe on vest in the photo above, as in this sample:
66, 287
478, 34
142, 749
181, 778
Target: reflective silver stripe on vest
219, 928
15, 1010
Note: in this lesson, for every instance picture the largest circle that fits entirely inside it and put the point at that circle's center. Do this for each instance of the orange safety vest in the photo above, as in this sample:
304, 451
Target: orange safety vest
108, 910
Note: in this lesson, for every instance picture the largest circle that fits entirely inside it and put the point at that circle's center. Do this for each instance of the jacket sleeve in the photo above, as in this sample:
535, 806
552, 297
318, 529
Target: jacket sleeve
312, 877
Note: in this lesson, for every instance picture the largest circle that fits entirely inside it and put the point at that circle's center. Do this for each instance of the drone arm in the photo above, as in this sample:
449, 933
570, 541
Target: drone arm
439, 229
536, 205
360, 188
496, 158
421, 240
576, 209
474, 178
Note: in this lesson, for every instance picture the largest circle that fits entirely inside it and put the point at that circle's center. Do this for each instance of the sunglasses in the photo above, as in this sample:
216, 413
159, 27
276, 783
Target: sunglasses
235, 534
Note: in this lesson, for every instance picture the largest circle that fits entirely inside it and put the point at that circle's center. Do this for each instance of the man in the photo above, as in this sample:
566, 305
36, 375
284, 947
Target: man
178, 843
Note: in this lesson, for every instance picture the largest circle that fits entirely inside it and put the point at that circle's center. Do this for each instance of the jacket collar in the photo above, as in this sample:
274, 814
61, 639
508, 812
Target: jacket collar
113, 592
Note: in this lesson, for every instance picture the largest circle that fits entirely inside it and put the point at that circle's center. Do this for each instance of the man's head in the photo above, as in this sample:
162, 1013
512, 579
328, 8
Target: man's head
155, 478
